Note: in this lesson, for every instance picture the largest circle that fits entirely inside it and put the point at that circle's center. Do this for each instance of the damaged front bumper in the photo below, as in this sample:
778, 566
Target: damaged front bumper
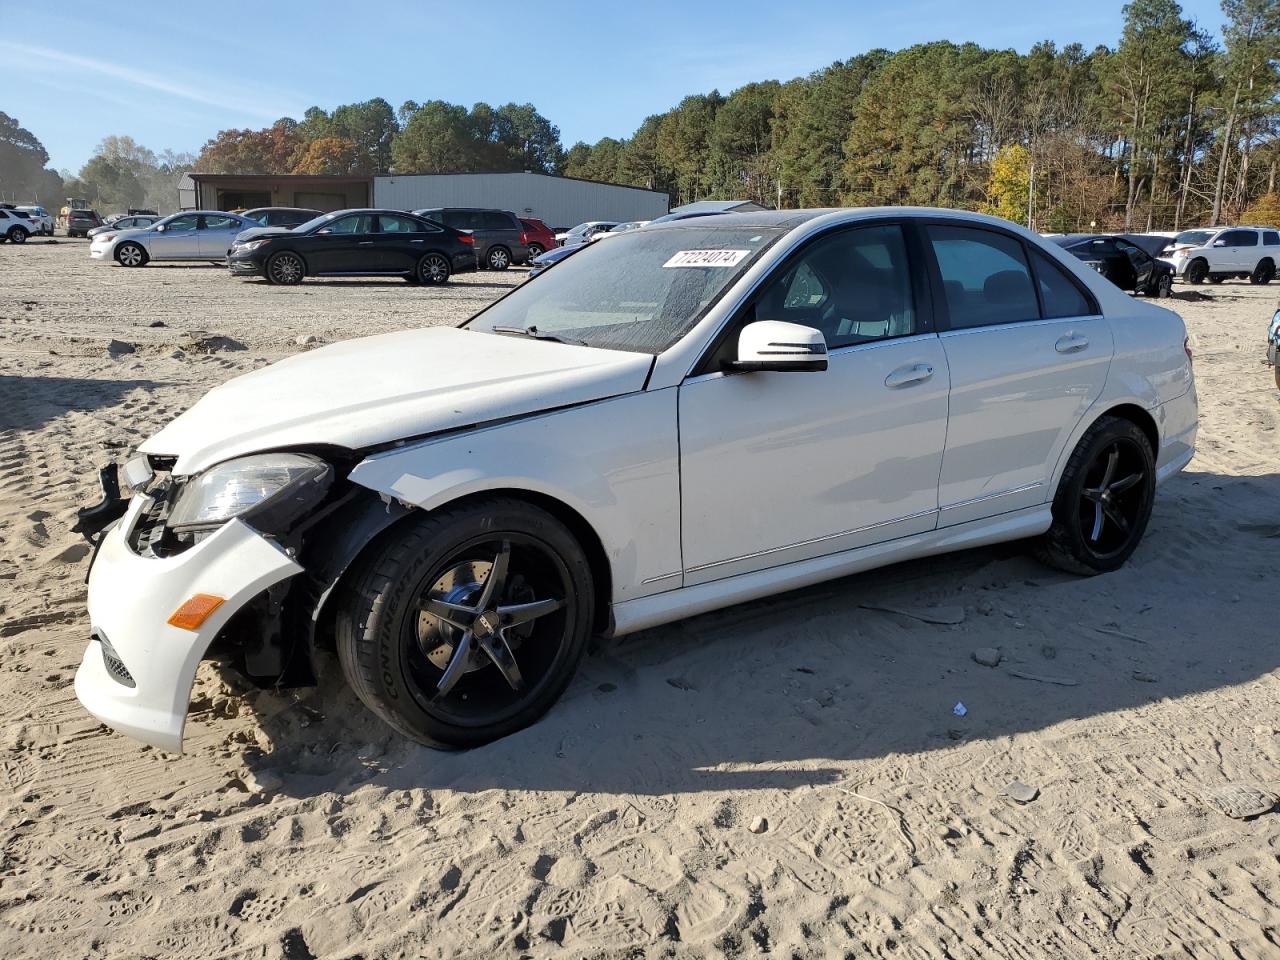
131, 601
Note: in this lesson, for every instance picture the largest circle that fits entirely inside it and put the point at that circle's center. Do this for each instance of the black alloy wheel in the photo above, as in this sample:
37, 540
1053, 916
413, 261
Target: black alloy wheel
1197, 271
1104, 500
285, 268
1263, 273
433, 268
467, 625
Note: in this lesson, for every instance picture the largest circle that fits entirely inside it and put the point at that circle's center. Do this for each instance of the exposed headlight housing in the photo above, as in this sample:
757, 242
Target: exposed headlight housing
253, 244
270, 490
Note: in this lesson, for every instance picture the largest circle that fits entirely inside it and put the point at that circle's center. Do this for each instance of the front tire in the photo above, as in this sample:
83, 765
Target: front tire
285, 269
18, 235
1197, 270
1163, 287
130, 255
466, 625
1103, 501
498, 258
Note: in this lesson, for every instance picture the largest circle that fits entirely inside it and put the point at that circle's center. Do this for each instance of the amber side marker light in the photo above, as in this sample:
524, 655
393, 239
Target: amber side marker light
195, 611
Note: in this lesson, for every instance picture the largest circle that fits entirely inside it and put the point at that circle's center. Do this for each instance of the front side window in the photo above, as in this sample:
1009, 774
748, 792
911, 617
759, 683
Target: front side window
357, 223
854, 286
1241, 238
641, 291
985, 277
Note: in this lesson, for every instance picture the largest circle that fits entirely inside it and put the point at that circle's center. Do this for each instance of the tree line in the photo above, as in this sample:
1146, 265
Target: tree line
1173, 126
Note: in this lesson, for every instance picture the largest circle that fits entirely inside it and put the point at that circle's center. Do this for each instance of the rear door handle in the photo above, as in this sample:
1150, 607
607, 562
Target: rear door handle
417, 241
1071, 343
916, 373
365, 243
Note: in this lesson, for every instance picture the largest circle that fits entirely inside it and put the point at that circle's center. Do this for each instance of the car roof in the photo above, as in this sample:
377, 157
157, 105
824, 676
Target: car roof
280, 210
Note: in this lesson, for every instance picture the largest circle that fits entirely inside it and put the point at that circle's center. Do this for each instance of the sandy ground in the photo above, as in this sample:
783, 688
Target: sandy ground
295, 826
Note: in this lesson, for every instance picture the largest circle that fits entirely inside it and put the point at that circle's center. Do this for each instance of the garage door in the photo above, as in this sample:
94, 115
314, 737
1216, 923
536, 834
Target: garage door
320, 201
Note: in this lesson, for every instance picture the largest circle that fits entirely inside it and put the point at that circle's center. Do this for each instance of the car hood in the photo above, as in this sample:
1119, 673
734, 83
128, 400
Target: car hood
376, 390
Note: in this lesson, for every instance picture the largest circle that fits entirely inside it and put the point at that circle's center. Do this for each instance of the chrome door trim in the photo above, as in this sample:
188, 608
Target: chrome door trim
987, 328
812, 540
993, 496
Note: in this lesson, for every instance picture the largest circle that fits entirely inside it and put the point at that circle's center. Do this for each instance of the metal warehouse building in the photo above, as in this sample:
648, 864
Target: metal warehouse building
560, 202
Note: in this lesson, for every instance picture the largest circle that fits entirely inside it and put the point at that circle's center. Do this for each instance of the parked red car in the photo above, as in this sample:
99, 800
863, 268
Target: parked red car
537, 235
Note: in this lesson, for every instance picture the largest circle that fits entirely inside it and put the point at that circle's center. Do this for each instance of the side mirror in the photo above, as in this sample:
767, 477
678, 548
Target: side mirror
161, 228
1219, 243
324, 233
779, 346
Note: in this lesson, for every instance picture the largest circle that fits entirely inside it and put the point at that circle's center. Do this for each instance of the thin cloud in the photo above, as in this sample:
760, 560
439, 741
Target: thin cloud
144, 79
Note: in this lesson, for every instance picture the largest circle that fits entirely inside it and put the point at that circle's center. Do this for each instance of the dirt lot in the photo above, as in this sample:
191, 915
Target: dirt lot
295, 826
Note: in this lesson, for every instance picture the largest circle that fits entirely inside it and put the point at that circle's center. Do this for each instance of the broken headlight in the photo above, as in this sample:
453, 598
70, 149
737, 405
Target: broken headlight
267, 490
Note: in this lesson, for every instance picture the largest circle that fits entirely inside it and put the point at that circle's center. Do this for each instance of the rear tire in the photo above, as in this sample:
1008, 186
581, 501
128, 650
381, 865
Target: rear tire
433, 269
1197, 270
535, 250
398, 656
18, 235
1104, 500
1263, 273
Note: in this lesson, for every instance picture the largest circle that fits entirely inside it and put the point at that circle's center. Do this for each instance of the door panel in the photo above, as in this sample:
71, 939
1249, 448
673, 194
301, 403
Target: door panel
399, 242
180, 240
216, 234
345, 245
779, 467
1020, 385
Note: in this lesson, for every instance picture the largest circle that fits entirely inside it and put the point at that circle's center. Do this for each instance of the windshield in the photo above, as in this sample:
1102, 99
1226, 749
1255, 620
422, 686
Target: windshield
315, 222
642, 291
1194, 238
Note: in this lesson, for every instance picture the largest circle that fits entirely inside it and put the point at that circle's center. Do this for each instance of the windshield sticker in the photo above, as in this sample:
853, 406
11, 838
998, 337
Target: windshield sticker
707, 258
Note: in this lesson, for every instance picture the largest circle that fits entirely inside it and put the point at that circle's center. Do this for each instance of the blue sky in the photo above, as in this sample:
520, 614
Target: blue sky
171, 75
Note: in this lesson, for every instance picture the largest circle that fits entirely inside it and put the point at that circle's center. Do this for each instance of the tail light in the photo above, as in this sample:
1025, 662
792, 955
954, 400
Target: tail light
1186, 348
524, 238
467, 238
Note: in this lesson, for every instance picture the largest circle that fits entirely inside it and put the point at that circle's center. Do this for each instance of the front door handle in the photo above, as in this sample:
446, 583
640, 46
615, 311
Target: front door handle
916, 373
1071, 343
365, 243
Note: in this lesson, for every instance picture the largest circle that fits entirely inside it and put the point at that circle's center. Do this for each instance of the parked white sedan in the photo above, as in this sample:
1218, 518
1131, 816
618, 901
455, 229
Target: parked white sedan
190, 235
688, 416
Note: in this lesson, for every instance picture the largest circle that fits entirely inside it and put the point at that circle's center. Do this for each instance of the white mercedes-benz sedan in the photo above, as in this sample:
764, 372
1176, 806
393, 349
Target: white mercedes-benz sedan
691, 415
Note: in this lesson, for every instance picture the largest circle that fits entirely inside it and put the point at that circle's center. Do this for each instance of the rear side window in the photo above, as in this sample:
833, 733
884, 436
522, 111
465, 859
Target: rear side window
494, 220
1058, 292
1271, 238
985, 277
390, 224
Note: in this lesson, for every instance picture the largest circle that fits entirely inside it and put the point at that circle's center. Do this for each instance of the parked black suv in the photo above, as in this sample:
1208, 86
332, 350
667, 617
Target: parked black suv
497, 233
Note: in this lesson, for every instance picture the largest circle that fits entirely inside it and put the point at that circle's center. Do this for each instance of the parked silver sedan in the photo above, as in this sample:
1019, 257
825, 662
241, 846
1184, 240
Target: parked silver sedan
190, 235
